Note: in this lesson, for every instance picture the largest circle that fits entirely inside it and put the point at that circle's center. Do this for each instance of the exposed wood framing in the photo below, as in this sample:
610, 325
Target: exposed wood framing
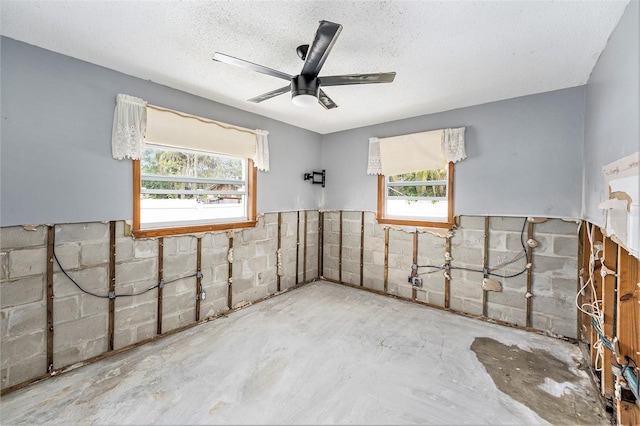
297, 246
320, 244
414, 271
485, 263
447, 279
597, 286
230, 273
340, 250
161, 283
386, 260
112, 282
50, 260
362, 249
527, 312
304, 255
279, 250
608, 297
198, 278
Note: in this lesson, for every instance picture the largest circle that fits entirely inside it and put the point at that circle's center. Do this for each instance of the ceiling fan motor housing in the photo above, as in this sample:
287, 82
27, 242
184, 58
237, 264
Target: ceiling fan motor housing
301, 85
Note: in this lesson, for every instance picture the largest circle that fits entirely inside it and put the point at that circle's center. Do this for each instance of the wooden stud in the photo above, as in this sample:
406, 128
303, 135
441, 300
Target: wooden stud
527, 312
297, 247
362, 249
447, 281
50, 260
198, 278
414, 272
230, 275
112, 282
161, 283
386, 260
596, 235
279, 250
485, 263
340, 251
304, 255
320, 244
610, 254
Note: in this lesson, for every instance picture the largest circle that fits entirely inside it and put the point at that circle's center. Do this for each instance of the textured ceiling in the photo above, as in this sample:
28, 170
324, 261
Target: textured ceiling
447, 54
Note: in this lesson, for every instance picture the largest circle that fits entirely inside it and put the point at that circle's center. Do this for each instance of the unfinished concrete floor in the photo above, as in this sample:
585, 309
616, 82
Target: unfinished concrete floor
325, 354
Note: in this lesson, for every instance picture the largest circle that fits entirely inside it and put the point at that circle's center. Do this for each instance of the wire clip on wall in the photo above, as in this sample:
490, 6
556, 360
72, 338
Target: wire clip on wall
316, 177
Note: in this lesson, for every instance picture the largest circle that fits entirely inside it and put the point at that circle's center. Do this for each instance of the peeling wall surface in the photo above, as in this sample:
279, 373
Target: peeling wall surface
357, 251
612, 128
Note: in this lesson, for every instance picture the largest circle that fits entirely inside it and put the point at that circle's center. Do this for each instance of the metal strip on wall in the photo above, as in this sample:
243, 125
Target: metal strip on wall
160, 282
304, 252
485, 263
362, 249
198, 278
112, 282
50, 260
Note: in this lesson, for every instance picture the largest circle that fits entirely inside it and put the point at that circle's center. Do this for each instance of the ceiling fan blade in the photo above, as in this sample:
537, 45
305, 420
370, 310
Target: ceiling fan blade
271, 94
341, 80
221, 57
326, 36
326, 101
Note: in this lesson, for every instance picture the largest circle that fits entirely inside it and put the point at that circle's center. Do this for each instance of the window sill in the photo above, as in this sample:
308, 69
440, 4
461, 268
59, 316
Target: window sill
418, 223
183, 230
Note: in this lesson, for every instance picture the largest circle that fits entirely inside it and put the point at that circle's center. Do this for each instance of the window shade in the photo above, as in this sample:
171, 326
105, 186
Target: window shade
186, 131
412, 153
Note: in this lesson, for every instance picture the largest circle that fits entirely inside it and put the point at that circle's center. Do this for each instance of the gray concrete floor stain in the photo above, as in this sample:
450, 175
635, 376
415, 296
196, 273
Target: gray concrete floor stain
540, 381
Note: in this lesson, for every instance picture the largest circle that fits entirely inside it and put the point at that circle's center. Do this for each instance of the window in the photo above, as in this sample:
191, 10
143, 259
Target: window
194, 175
423, 198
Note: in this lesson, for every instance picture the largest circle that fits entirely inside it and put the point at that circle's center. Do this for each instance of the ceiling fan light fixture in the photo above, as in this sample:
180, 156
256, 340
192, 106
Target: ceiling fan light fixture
304, 101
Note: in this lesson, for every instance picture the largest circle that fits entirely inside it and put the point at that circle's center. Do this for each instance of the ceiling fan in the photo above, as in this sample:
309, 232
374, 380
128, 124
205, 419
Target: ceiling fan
306, 88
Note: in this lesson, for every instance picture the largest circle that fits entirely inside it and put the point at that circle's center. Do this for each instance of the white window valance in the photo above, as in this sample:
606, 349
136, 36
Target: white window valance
129, 125
136, 122
415, 152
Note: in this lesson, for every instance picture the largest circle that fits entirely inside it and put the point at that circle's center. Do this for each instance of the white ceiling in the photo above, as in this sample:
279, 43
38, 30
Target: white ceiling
447, 54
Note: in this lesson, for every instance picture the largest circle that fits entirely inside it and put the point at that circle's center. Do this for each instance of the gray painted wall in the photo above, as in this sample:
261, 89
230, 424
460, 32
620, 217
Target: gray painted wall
612, 127
523, 157
56, 163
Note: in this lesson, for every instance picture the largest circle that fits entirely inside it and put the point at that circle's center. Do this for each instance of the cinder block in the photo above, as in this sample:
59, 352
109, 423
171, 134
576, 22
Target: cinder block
177, 320
472, 222
136, 270
95, 347
565, 246
509, 314
25, 262
136, 315
123, 337
22, 291
507, 299
26, 368
16, 237
93, 253
78, 332
124, 248
557, 266
466, 289
26, 319
475, 238
466, 256
563, 327
67, 356
401, 247
90, 279
76, 232
21, 347
507, 223
557, 226
470, 306
145, 248
555, 306
64, 310
145, 331
91, 305
68, 255
4, 265
179, 265
565, 287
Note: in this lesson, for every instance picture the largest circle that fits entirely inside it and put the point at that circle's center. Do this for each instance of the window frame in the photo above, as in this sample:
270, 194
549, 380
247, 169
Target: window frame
138, 232
412, 222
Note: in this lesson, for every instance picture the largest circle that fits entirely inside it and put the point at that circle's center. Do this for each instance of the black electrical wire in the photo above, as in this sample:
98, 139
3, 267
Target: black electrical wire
449, 267
114, 295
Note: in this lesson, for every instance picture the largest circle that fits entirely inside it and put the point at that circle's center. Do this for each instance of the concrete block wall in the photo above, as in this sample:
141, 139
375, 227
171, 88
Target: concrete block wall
554, 265
81, 321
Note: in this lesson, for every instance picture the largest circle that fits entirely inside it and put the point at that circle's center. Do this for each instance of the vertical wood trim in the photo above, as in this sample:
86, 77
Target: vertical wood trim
596, 234
527, 311
230, 273
252, 188
136, 194
320, 244
279, 250
304, 252
112, 282
610, 254
160, 282
198, 277
340, 251
414, 272
381, 197
386, 260
450, 193
485, 263
362, 249
50, 260
447, 280
297, 246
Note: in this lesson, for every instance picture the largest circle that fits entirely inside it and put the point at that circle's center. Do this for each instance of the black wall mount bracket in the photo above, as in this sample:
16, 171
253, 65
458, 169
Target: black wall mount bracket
316, 177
